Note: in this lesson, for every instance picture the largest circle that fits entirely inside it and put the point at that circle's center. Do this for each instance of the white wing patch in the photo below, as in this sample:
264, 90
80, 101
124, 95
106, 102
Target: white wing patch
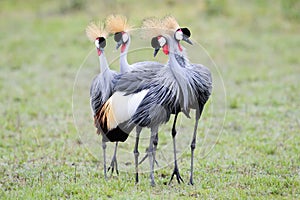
122, 107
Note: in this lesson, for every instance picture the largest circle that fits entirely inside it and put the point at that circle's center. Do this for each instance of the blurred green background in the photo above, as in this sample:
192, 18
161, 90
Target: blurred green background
256, 46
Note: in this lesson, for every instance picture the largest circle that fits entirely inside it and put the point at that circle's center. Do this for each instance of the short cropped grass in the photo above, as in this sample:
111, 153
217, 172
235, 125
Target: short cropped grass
254, 154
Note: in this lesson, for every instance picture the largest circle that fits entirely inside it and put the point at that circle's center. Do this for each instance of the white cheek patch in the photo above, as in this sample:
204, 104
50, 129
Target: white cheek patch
179, 35
125, 37
97, 44
162, 41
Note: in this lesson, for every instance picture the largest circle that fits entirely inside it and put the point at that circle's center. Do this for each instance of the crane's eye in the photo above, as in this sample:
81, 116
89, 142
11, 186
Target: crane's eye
102, 42
186, 32
118, 36
155, 43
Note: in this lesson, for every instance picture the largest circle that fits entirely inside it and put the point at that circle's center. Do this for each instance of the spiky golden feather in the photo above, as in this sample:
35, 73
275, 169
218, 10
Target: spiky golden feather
94, 31
117, 23
169, 22
153, 27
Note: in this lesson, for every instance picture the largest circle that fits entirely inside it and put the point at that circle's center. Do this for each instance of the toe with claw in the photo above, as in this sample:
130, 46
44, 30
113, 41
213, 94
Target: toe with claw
178, 177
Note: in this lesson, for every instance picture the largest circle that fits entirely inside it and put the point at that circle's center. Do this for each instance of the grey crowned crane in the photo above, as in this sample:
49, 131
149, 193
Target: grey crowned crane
194, 81
137, 102
102, 85
118, 26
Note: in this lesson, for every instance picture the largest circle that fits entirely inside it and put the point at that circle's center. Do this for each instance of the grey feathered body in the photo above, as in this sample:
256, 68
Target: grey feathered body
101, 89
177, 86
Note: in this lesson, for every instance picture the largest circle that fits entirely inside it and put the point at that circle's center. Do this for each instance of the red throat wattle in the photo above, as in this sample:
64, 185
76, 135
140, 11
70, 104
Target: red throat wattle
99, 52
166, 49
179, 47
123, 48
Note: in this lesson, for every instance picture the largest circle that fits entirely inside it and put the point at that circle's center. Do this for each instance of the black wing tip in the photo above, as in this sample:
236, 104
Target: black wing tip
116, 135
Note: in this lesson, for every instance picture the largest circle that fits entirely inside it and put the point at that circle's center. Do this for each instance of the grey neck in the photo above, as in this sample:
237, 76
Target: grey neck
177, 63
103, 63
124, 66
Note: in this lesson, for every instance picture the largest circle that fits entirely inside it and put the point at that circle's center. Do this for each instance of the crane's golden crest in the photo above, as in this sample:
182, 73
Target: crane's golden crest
94, 31
169, 22
152, 27
117, 23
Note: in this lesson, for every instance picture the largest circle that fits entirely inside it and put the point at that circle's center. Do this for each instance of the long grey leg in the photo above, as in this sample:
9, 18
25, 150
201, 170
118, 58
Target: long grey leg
155, 143
193, 143
176, 170
104, 158
136, 153
114, 163
151, 156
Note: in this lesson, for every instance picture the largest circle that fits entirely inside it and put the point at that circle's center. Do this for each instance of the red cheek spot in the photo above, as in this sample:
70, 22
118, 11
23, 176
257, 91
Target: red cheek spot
179, 47
166, 49
123, 48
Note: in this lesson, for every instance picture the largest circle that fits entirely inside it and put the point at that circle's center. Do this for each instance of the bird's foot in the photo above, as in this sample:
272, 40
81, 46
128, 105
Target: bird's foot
152, 183
113, 166
178, 177
136, 178
146, 156
191, 182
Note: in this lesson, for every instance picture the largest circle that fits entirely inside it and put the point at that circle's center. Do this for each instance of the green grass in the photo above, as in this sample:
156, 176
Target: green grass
45, 155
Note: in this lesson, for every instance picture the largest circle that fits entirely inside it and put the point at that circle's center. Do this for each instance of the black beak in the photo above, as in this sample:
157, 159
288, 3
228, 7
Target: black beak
186, 39
156, 50
119, 44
